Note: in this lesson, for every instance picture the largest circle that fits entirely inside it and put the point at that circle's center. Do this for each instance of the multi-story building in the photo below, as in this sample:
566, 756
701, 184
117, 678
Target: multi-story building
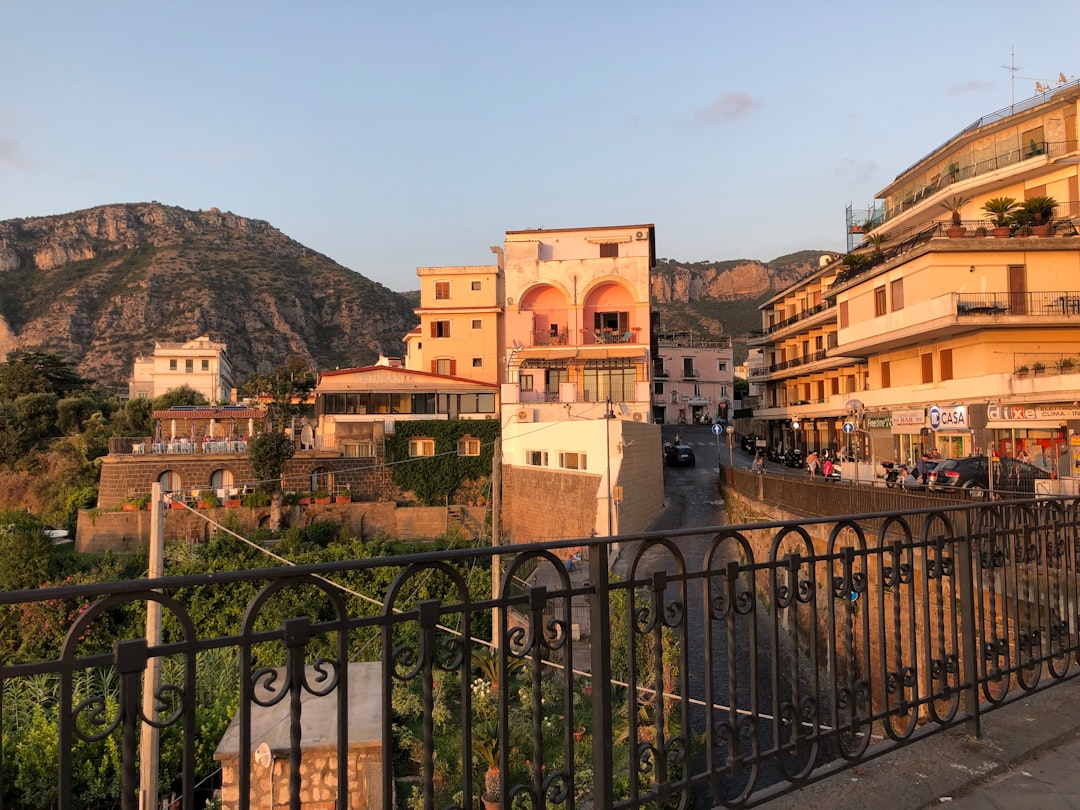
576, 398
945, 338
458, 335
202, 364
693, 379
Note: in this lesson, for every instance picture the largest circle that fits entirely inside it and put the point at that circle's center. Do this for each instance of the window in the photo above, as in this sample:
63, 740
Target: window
442, 290
721, 366
476, 324
172, 365
658, 388
897, 294
879, 301
927, 367
468, 446
697, 389
322, 480
688, 367
600, 383
525, 382
572, 461
478, 362
723, 390
421, 447
536, 458
945, 358
205, 365
475, 286
440, 329
361, 449
886, 375
170, 481
445, 365
843, 315
609, 250
189, 366
819, 343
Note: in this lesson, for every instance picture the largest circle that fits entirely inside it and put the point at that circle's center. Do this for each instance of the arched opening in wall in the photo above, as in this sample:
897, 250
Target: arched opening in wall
322, 480
221, 481
550, 307
170, 481
607, 313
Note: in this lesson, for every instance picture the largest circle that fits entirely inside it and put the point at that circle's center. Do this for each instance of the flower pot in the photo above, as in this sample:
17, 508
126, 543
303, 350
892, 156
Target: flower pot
306, 501
131, 507
1040, 230
489, 804
323, 501
206, 505
343, 499
1002, 232
178, 505
233, 502
956, 231
579, 733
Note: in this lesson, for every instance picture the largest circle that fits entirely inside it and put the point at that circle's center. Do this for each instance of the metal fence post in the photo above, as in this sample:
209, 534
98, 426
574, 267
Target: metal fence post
600, 668
969, 643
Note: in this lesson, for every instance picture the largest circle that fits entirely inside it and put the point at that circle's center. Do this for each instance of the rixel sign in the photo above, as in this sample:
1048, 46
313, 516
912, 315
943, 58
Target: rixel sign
952, 417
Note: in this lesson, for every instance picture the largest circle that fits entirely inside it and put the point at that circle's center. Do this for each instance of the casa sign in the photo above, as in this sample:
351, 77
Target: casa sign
952, 417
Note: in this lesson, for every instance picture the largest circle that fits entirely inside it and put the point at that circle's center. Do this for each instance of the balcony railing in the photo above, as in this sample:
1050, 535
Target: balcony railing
1044, 304
727, 665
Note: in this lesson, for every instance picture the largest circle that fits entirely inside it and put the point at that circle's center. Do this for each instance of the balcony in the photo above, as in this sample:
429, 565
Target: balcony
686, 655
953, 313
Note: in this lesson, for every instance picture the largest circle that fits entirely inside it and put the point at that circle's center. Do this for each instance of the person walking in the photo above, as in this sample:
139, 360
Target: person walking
812, 464
759, 464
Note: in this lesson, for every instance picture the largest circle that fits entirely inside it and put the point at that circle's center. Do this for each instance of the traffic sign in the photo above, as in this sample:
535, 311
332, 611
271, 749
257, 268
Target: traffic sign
717, 429
849, 427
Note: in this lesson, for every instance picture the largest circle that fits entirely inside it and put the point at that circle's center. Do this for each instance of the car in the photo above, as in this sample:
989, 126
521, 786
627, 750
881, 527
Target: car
680, 455
913, 480
1012, 478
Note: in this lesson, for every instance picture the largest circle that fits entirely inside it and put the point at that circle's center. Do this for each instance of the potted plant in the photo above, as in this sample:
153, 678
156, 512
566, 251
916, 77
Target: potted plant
1037, 367
956, 230
1022, 370
256, 499
1038, 213
344, 496
208, 499
1066, 364
980, 232
322, 497
486, 747
178, 502
1000, 210
136, 503
233, 501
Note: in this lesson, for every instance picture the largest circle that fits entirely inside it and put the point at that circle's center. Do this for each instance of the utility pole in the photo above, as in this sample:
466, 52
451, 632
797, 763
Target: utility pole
496, 536
148, 749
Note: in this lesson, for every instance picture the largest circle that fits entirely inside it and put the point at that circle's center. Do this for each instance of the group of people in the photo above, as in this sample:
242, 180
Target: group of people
823, 463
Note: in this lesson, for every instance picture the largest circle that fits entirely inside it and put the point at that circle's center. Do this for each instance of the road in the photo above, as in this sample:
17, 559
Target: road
692, 499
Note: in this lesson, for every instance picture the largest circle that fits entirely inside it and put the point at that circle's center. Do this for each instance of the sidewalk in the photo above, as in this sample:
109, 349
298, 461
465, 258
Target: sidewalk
1028, 757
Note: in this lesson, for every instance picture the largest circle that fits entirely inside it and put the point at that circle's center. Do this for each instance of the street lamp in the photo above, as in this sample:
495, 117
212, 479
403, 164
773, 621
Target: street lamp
609, 414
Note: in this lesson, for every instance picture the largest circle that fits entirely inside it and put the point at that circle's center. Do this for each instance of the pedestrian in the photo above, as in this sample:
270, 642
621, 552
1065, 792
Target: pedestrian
921, 468
812, 463
827, 468
759, 464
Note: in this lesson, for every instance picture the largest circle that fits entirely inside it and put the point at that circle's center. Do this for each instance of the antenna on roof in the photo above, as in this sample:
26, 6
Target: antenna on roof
518, 345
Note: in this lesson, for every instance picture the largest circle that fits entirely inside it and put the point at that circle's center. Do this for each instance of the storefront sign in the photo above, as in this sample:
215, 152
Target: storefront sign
911, 416
1003, 412
878, 422
950, 417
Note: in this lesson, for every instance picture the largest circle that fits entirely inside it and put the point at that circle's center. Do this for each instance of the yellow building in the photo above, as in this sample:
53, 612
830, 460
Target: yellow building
458, 333
961, 332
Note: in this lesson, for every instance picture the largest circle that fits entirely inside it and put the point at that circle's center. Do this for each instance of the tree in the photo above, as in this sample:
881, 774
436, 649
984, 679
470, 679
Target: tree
184, 395
26, 554
38, 373
287, 387
269, 452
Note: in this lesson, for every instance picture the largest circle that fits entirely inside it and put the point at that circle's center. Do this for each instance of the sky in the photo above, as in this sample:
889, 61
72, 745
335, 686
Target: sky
397, 135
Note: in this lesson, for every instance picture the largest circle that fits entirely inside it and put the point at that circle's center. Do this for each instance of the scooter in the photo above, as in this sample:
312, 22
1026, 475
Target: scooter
894, 473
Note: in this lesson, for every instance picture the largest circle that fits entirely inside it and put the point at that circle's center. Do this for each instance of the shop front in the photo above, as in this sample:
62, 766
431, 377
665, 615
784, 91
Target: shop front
951, 431
910, 434
1045, 435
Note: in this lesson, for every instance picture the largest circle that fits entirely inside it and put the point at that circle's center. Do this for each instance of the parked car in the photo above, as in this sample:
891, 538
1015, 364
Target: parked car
971, 475
680, 455
912, 480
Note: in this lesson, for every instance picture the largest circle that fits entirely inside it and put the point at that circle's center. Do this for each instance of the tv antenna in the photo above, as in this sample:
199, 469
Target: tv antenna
1012, 67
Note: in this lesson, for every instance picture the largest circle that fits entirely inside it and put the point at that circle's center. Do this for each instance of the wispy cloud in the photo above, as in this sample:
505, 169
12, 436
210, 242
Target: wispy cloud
728, 107
11, 155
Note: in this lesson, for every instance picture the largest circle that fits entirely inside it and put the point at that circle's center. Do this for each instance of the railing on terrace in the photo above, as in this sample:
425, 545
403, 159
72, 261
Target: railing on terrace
729, 665
806, 313
1042, 304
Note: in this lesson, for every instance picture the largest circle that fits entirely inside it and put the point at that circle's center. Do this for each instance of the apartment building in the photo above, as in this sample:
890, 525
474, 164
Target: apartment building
693, 379
459, 332
202, 364
953, 333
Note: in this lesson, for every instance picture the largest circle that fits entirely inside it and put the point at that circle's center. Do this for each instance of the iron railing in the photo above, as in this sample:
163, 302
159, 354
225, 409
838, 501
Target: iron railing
726, 665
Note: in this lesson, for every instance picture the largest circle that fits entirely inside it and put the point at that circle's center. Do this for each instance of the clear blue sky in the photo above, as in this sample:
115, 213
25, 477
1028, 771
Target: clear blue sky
393, 135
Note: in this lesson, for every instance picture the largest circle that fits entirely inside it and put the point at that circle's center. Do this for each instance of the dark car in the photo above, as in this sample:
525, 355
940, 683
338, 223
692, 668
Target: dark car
681, 455
971, 475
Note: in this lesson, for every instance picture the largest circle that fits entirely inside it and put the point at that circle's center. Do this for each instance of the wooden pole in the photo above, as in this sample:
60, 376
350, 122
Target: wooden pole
148, 750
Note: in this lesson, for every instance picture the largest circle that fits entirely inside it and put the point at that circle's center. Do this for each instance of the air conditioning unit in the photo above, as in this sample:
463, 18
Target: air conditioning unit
525, 415
638, 417
639, 235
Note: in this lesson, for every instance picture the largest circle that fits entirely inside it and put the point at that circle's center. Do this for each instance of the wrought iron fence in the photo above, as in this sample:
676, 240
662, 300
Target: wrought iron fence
726, 665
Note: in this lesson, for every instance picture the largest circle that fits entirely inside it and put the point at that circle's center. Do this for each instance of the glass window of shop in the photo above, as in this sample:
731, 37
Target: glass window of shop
1046, 448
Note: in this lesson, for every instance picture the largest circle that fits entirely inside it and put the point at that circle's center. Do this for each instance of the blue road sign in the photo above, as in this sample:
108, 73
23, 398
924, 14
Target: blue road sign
717, 429
849, 427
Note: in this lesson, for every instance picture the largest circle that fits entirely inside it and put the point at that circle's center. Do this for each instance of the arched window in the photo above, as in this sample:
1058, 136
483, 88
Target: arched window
221, 481
322, 480
170, 481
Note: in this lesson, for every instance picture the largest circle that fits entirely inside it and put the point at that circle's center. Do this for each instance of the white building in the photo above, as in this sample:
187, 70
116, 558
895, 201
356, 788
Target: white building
202, 364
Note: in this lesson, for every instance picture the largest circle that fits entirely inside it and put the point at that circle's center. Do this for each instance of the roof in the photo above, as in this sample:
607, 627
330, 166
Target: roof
318, 728
572, 230
200, 412
398, 370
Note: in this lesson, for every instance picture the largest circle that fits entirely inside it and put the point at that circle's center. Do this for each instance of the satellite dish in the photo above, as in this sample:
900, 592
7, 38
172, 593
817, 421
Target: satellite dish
518, 345
855, 406
1039, 87
1061, 78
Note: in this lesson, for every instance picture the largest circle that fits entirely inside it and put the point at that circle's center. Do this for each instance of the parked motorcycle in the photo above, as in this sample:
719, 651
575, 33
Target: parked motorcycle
894, 473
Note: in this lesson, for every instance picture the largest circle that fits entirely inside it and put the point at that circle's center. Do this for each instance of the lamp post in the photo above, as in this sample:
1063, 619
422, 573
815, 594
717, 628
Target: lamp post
609, 414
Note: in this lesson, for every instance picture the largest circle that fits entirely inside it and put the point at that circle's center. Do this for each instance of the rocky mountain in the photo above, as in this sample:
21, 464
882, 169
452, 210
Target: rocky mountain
99, 286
